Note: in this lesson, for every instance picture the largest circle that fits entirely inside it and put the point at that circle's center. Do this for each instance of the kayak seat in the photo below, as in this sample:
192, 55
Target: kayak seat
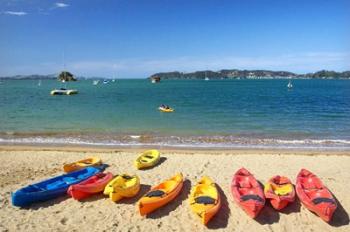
86, 162
244, 184
69, 180
319, 200
206, 200
148, 156
155, 193
34, 188
282, 189
126, 177
55, 185
251, 197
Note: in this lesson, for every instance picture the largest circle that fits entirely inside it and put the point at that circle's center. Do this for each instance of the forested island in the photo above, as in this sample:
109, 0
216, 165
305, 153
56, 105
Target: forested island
250, 74
222, 74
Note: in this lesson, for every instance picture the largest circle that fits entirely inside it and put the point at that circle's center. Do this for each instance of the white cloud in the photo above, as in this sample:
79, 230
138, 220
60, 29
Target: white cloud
61, 5
16, 13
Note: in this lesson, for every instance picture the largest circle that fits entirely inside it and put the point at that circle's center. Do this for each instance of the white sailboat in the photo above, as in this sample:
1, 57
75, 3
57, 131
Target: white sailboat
39, 83
96, 82
290, 85
206, 78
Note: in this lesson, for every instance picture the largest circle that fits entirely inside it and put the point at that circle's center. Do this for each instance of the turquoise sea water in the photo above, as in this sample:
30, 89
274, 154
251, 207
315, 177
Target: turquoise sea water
222, 113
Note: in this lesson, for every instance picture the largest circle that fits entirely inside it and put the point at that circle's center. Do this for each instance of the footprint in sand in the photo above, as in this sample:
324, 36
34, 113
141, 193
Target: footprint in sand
63, 221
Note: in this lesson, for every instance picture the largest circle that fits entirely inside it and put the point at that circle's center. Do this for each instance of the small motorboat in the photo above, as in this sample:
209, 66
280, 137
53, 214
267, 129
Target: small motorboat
63, 91
314, 195
280, 191
90, 186
122, 186
105, 82
160, 195
247, 192
147, 159
205, 199
51, 188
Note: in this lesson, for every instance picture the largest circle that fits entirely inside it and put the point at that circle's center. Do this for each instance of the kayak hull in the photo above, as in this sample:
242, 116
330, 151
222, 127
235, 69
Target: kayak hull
51, 188
280, 191
92, 161
170, 110
122, 186
90, 186
171, 188
315, 196
247, 192
205, 200
147, 159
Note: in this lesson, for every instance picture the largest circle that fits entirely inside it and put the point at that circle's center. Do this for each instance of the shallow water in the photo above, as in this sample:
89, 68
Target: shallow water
223, 113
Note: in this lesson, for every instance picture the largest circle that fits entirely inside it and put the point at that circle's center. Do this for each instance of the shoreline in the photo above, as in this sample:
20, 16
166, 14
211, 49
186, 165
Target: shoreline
237, 151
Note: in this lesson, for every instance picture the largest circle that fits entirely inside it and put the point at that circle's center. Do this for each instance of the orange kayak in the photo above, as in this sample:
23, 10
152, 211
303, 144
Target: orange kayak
280, 191
314, 195
246, 191
92, 161
160, 195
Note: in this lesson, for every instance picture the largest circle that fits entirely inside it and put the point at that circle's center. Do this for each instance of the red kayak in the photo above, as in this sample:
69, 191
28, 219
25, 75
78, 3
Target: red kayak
314, 195
280, 191
247, 192
90, 186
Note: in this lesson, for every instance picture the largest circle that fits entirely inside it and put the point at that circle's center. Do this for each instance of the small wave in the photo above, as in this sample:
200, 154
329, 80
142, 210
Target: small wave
225, 142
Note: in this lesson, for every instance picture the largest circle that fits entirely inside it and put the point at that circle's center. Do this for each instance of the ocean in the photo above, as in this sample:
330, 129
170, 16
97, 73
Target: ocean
314, 114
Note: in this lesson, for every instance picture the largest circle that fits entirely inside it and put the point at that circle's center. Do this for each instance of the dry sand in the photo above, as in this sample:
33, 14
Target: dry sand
20, 166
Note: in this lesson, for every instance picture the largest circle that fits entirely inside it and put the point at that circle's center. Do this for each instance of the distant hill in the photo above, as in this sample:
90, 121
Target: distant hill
250, 74
30, 77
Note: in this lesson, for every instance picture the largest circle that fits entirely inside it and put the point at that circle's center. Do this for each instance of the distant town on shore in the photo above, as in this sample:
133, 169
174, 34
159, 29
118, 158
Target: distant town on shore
251, 74
222, 74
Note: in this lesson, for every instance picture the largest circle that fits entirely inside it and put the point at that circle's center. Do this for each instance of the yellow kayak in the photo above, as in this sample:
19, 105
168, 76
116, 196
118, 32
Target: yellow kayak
147, 159
122, 186
169, 110
92, 161
160, 195
205, 199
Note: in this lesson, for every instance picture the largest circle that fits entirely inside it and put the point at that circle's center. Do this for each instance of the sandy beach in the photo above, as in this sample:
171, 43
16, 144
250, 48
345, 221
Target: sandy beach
20, 166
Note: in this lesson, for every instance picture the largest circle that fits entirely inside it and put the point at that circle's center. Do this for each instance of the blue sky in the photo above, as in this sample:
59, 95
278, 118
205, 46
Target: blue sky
133, 39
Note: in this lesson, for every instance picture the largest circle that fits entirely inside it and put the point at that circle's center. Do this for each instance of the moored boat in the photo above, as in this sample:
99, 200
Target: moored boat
63, 91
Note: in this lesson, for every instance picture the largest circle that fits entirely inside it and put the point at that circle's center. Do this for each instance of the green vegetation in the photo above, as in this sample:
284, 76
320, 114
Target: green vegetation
66, 76
250, 74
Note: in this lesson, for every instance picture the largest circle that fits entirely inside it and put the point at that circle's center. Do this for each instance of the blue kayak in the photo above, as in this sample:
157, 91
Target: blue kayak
51, 188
